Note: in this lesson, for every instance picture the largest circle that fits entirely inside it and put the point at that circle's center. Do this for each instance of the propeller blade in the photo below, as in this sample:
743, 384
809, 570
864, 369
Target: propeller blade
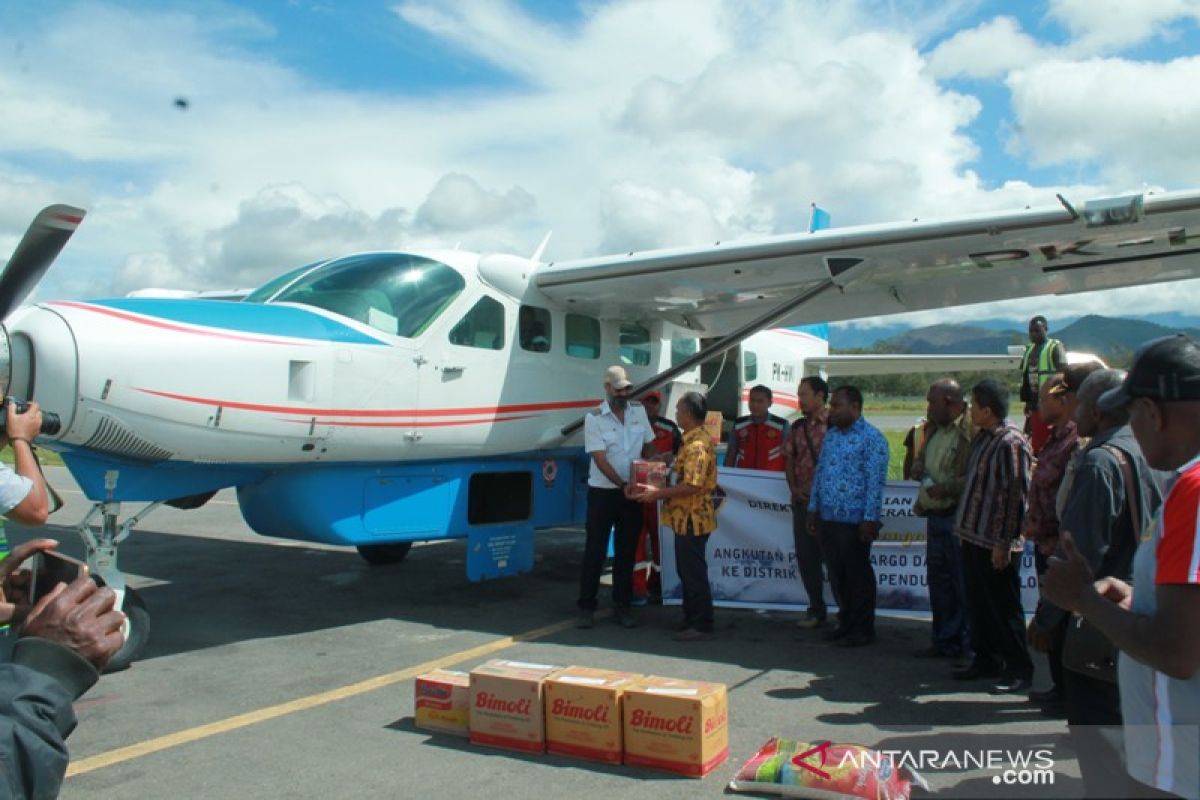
41, 244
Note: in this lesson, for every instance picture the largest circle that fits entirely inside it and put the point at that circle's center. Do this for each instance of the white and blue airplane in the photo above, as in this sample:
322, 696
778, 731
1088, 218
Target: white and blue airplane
378, 399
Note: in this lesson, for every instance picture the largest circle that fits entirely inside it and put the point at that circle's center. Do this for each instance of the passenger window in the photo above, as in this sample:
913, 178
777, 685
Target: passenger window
749, 366
482, 327
533, 329
583, 336
635, 345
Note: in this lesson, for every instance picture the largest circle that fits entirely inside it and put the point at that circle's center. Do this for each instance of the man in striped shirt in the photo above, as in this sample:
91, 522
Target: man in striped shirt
989, 524
1155, 621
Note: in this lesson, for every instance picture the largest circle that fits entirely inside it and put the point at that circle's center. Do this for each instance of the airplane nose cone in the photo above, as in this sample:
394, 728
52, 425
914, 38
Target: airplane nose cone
43, 363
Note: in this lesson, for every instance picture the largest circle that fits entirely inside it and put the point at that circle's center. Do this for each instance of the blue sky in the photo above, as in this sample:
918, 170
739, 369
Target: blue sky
314, 128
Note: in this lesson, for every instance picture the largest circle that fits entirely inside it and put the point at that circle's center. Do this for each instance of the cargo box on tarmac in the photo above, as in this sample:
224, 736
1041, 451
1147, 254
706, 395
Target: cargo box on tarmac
583, 713
506, 705
442, 703
676, 725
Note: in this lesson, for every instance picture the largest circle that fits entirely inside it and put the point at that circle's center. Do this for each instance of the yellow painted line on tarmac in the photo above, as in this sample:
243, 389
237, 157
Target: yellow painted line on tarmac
189, 735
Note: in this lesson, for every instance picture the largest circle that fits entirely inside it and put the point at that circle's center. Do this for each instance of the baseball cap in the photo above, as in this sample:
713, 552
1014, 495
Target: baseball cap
1167, 369
654, 394
615, 377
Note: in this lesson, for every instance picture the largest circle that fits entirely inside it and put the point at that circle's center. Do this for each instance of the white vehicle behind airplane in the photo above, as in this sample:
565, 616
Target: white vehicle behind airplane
378, 399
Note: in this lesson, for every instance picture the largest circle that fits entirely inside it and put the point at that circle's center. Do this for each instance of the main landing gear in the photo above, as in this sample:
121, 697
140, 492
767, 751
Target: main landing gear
101, 544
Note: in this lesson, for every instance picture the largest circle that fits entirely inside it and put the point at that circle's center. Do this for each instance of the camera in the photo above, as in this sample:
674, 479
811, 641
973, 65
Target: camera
51, 424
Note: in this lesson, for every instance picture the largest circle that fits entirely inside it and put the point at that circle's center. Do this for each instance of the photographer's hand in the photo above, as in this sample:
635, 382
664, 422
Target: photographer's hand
81, 616
14, 580
20, 430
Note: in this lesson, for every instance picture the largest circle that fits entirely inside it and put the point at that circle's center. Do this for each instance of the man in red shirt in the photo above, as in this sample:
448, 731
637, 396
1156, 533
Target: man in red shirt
757, 439
647, 586
802, 451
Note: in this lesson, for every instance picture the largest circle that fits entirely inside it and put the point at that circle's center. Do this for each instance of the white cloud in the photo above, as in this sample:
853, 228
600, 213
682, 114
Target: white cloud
1134, 121
988, 50
1109, 26
458, 203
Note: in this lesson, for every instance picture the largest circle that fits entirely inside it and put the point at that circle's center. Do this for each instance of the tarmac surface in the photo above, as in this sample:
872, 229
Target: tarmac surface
281, 669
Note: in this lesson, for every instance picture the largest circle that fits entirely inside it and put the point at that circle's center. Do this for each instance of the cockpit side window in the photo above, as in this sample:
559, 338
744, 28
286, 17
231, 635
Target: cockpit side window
396, 293
534, 329
482, 327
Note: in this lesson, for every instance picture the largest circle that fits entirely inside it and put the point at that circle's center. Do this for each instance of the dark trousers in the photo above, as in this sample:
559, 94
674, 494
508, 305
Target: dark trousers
809, 561
947, 592
609, 510
848, 559
1058, 635
692, 565
994, 609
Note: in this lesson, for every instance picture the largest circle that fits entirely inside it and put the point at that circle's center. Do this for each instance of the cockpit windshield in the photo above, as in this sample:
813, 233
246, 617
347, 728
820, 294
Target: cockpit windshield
392, 292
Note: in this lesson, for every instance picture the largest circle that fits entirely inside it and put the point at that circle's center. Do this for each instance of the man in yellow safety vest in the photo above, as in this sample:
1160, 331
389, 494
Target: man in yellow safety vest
1043, 357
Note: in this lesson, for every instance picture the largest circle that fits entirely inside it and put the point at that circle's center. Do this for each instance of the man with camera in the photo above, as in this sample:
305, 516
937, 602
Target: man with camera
64, 638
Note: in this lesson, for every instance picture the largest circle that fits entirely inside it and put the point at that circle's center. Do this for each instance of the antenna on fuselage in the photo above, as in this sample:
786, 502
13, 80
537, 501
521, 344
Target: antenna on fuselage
541, 248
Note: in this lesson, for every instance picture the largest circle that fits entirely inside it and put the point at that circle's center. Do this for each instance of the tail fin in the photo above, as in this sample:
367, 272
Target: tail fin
820, 219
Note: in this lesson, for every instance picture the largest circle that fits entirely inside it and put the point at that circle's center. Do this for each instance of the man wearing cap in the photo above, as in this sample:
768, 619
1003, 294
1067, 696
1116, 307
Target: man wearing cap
1154, 622
614, 434
667, 440
1043, 357
758, 439
940, 465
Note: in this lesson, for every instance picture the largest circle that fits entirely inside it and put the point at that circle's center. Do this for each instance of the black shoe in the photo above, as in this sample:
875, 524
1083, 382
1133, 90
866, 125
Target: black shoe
811, 621
1051, 695
837, 633
975, 672
691, 635
856, 640
586, 619
1013, 684
624, 617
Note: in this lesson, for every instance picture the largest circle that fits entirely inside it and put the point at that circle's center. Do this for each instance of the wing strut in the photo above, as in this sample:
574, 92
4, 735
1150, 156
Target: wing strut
726, 342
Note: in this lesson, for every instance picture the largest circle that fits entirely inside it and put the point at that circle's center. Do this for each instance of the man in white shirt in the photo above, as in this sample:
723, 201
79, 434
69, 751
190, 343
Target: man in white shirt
614, 434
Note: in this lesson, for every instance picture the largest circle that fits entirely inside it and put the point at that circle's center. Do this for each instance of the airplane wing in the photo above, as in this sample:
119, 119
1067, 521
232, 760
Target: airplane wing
893, 268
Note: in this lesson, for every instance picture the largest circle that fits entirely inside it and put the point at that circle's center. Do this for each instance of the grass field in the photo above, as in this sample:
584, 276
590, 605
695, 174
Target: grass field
895, 454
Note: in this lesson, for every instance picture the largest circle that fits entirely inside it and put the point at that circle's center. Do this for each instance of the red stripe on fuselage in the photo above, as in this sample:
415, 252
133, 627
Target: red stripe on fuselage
449, 423
374, 412
170, 326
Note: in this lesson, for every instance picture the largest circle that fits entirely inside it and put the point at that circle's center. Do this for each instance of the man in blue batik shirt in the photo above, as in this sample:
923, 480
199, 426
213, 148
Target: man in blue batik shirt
845, 508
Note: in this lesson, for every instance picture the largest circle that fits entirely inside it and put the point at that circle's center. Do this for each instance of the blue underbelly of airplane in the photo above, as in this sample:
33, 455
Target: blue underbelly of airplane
362, 504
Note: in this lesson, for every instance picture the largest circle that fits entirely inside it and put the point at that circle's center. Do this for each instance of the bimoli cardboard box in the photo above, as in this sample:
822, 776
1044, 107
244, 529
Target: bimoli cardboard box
583, 713
442, 701
506, 705
676, 725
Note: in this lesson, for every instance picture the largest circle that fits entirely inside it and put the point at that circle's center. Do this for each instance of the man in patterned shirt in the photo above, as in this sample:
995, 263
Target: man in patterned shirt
803, 450
846, 506
1154, 621
988, 523
689, 512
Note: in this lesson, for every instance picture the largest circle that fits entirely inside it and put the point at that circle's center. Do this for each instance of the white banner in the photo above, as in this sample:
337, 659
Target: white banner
752, 560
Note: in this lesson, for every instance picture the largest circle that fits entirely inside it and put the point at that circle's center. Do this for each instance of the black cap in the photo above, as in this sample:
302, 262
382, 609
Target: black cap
1165, 369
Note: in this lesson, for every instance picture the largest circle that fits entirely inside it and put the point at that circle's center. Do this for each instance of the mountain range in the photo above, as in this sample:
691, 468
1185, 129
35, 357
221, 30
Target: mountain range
1112, 338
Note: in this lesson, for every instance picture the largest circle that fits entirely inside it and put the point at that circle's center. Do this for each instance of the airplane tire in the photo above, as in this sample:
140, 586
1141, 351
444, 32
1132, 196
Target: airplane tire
380, 554
139, 633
